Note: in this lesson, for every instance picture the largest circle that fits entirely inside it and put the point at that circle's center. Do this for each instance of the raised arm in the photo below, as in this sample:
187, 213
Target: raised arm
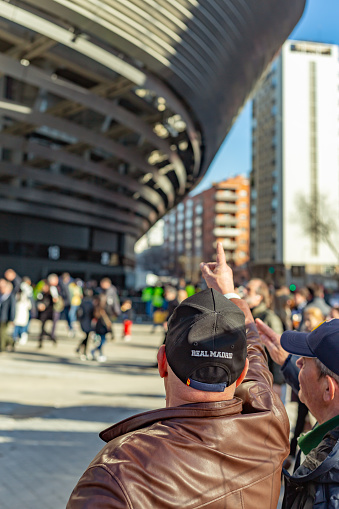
219, 275
287, 362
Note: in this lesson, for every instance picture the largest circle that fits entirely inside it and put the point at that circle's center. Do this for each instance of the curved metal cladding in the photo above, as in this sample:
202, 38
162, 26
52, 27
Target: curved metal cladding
112, 110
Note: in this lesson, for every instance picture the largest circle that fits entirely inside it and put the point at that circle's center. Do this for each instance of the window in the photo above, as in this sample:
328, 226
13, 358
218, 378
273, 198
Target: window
274, 203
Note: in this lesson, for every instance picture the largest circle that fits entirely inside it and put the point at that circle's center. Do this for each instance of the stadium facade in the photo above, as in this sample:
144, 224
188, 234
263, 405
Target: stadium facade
111, 112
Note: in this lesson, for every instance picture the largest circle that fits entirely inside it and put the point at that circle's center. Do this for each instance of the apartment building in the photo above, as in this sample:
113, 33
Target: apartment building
295, 165
221, 213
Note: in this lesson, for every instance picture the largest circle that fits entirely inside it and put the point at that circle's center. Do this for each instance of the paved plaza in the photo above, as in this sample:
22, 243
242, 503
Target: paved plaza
53, 405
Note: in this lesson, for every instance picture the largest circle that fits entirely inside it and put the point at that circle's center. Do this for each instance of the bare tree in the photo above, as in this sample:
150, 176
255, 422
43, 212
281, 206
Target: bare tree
318, 222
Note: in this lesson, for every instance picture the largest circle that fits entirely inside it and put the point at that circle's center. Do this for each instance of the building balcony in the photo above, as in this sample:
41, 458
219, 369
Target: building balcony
226, 232
225, 207
228, 245
229, 256
226, 221
226, 196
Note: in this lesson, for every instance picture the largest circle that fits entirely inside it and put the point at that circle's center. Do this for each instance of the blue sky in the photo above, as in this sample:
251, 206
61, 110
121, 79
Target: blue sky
320, 22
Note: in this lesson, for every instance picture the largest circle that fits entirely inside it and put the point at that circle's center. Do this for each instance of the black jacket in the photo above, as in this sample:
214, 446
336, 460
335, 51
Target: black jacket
85, 315
7, 308
47, 300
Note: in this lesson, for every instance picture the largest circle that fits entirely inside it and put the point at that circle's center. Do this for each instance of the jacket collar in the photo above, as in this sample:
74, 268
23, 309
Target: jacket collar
321, 460
312, 439
192, 410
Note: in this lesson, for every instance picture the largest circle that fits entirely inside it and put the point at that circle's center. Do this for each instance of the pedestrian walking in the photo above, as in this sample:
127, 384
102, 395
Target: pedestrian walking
112, 301
7, 313
76, 296
85, 315
27, 289
60, 297
103, 326
127, 317
23, 305
45, 307
64, 292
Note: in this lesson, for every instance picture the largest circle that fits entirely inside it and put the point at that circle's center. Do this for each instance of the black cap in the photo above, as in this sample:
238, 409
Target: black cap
206, 341
322, 342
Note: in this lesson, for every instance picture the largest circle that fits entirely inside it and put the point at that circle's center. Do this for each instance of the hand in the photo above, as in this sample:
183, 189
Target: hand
272, 342
218, 275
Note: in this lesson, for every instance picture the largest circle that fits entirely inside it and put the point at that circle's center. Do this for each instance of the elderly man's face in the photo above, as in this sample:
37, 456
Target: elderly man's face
310, 391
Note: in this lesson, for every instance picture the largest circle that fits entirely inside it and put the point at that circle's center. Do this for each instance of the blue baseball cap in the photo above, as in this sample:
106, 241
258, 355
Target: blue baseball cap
322, 342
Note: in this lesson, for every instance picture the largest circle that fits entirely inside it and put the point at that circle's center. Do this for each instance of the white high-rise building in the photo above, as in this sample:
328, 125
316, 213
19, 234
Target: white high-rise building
295, 169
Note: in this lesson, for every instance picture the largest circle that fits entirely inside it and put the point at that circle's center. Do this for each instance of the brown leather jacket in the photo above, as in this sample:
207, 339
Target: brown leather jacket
220, 455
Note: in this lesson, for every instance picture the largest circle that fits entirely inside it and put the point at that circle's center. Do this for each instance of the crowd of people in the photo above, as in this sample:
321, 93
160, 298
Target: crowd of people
227, 356
94, 306
58, 297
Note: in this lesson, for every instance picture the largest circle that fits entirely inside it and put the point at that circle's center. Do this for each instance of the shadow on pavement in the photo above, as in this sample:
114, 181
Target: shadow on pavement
102, 414
110, 394
119, 367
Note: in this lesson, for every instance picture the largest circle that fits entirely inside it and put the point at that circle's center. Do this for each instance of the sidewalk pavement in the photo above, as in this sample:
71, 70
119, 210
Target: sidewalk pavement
53, 405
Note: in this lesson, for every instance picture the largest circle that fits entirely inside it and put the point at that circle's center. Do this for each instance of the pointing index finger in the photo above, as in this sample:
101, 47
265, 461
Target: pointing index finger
221, 258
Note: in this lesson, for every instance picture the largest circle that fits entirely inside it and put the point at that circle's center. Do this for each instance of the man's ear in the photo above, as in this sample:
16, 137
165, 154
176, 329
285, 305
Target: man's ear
329, 390
162, 362
243, 374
